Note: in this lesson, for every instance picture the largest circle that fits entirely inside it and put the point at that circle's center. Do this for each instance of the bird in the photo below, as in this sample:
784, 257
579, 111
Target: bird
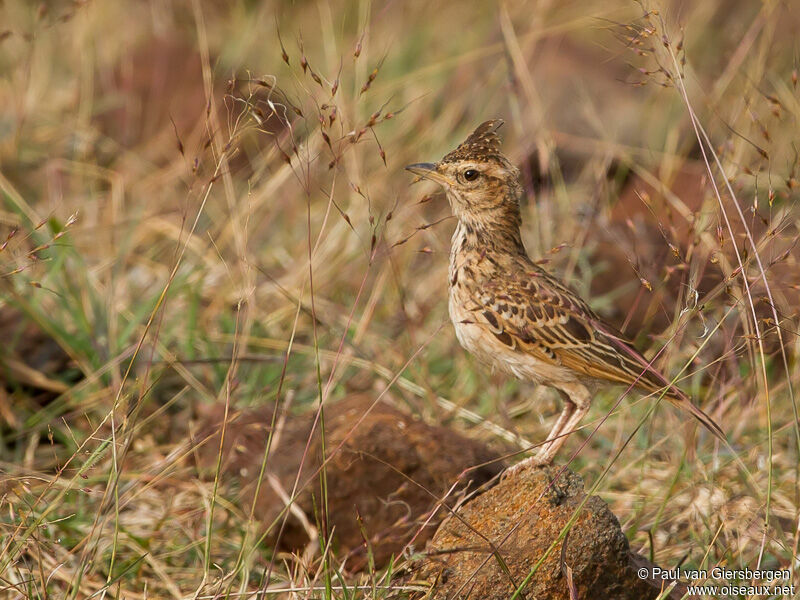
511, 313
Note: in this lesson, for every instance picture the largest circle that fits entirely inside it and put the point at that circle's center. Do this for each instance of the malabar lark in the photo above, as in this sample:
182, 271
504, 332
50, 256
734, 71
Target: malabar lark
514, 315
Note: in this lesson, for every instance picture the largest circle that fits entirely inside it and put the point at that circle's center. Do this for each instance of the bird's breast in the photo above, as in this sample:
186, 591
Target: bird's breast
477, 337
468, 332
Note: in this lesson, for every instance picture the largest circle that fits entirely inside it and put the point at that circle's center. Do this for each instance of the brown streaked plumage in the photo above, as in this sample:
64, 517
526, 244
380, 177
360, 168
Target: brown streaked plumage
511, 313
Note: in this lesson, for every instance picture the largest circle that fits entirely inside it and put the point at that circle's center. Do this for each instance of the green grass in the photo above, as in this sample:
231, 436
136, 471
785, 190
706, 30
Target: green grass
155, 243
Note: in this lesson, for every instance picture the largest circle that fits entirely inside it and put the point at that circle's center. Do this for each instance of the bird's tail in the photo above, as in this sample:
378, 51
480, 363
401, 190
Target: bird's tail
648, 378
682, 401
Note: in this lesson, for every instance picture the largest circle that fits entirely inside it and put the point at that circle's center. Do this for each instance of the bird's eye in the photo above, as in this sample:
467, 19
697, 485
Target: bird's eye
471, 174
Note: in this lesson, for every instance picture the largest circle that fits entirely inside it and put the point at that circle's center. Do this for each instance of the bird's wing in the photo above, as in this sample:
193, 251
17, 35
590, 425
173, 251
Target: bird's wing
532, 312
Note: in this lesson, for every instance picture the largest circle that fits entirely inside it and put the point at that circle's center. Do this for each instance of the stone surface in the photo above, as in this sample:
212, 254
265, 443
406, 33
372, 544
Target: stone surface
491, 546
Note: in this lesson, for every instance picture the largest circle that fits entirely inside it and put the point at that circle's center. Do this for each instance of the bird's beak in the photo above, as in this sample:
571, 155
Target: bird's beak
428, 171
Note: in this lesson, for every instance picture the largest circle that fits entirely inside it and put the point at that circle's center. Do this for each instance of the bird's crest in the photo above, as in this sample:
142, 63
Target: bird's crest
482, 144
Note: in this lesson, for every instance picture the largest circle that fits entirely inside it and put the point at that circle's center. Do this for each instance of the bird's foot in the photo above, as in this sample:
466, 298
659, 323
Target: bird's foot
537, 460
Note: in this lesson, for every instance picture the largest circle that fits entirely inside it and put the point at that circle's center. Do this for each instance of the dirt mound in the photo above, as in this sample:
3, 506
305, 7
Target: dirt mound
489, 549
390, 471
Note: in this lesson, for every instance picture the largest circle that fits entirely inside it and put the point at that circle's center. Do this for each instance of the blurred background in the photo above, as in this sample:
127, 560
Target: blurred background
203, 205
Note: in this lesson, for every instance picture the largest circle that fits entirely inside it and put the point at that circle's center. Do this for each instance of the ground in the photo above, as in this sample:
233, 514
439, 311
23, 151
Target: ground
203, 210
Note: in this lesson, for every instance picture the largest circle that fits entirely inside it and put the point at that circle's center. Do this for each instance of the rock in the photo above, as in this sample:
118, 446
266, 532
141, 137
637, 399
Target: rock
390, 470
494, 542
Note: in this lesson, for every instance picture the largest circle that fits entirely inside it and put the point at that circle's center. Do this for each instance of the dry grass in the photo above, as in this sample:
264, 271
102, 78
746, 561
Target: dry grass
188, 218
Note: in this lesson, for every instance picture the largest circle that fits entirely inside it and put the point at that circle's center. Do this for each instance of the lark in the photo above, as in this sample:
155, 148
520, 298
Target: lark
514, 315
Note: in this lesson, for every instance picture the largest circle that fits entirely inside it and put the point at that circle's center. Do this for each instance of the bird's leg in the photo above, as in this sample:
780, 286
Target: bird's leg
546, 452
576, 405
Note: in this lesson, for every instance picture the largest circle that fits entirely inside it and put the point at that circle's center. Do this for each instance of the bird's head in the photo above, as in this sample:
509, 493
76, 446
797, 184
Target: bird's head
481, 184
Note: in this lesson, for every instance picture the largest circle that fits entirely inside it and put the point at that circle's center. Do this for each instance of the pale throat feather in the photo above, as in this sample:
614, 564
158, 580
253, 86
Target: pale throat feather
457, 242
458, 259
